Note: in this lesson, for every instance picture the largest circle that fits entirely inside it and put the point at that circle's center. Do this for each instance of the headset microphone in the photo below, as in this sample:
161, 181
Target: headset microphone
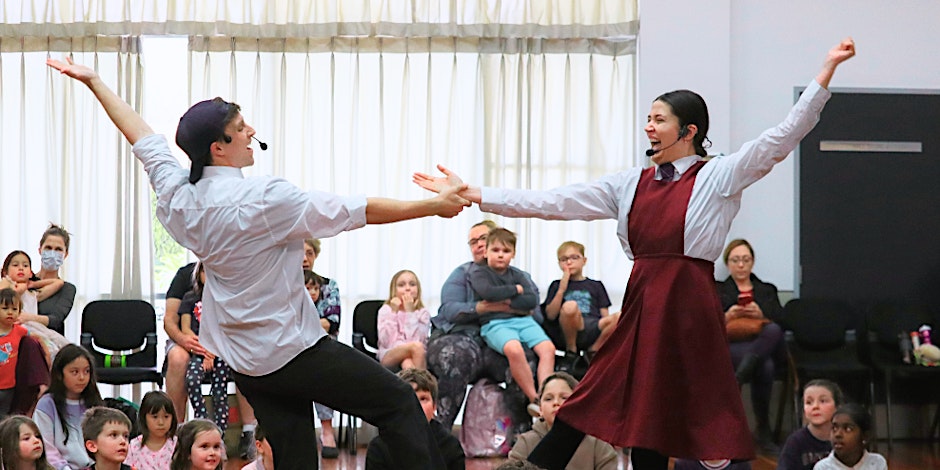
261, 144
682, 133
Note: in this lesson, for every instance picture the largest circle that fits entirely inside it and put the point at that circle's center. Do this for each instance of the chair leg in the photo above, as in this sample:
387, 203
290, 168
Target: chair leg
888, 406
781, 409
874, 414
339, 432
348, 426
797, 411
935, 427
353, 429
797, 395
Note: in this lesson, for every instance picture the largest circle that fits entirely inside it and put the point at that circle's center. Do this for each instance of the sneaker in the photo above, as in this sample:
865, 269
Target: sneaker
566, 363
246, 446
534, 410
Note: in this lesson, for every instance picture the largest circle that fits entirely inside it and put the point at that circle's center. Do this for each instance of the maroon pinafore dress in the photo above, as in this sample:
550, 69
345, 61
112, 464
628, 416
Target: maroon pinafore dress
664, 380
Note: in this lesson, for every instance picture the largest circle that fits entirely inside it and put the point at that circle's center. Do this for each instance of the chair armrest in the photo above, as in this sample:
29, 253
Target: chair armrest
151, 340
86, 341
358, 340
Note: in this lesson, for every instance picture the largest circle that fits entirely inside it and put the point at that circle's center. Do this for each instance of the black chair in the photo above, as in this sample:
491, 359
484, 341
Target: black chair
365, 334
822, 347
886, 321
365, 338
122, 337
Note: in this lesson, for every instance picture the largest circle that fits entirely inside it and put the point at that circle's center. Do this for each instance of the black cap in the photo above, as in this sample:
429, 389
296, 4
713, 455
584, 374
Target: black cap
203, 124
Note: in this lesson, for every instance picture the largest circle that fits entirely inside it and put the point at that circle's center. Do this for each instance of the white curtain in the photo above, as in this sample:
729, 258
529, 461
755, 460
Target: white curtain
360, 115
64, 162
322, 18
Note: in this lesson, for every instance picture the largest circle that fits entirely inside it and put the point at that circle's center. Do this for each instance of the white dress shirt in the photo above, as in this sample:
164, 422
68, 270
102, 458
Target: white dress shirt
249, 234
716, 194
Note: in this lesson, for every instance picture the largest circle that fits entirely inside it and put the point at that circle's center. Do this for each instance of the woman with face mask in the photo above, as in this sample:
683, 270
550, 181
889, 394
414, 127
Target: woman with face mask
53, 249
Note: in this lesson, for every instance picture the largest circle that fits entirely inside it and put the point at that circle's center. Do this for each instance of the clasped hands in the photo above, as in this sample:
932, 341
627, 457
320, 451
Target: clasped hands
448, 185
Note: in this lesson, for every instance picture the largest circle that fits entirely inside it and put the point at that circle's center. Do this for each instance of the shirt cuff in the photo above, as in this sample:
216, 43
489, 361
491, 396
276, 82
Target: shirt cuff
815, 91
488, 198
356, 205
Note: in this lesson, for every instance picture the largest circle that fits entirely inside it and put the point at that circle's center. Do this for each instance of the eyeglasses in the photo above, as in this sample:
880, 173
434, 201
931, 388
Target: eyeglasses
562, 259
474, 241
744, 260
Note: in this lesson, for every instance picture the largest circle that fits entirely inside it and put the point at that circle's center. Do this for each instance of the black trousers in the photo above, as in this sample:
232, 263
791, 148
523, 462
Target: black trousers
346, 380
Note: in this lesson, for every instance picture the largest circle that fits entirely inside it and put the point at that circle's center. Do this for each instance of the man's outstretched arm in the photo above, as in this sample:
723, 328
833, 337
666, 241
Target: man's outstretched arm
447, 203
124, 117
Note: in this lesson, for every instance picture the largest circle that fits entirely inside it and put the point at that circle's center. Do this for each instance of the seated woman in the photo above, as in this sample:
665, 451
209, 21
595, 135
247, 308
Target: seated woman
54, 309
755, 359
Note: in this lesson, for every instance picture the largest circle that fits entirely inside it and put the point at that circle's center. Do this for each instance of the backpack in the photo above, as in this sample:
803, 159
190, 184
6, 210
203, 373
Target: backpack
487, 427
129, 408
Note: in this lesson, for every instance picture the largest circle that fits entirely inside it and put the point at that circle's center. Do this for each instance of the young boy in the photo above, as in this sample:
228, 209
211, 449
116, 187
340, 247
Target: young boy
107, 433
265, 459
425, 387
494, 280
576, 307
314, 284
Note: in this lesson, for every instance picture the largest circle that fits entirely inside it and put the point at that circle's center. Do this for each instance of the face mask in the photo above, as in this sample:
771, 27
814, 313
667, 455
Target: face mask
52, 260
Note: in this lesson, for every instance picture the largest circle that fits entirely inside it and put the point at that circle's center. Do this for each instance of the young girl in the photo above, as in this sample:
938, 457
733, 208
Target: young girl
199, 446
11, 333
21, 445
190, 315
851, 430
18, 274
403, 324
810, 444
153, 449
72, 390
265, 460
591, 453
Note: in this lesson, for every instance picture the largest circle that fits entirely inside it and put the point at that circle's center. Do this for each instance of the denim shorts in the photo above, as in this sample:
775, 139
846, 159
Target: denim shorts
497, 333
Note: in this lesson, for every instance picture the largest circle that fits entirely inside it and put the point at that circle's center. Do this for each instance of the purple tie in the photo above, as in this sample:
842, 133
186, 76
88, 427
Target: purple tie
667, 171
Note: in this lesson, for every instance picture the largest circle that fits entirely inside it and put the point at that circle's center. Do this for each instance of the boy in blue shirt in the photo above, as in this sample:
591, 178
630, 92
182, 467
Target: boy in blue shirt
576, 308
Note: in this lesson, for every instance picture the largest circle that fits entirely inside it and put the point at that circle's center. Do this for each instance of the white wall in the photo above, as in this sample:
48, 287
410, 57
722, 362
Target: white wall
746, 58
